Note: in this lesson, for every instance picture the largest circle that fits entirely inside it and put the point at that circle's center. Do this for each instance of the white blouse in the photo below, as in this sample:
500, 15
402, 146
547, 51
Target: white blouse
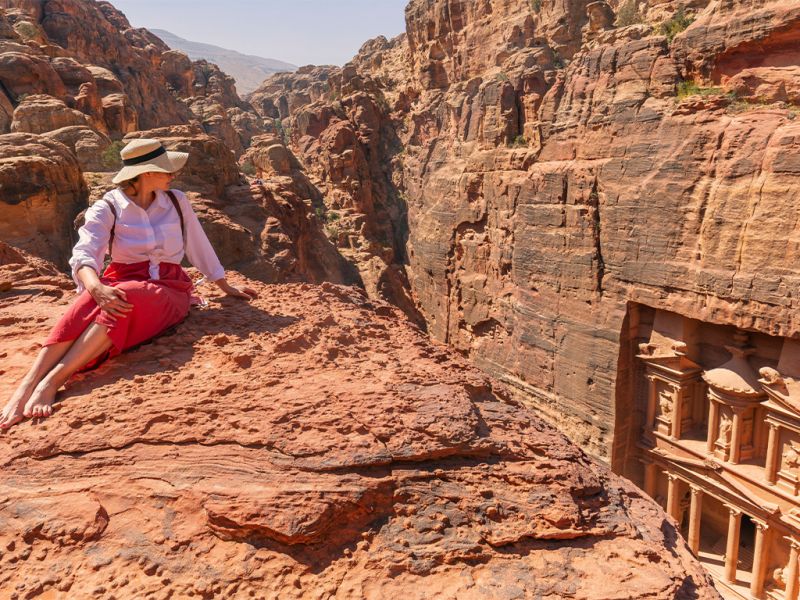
139, 235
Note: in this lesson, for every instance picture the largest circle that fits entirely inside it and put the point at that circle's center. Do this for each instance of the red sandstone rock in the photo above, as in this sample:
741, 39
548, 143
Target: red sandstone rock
37, 210
310, 443
41, 113
88, 146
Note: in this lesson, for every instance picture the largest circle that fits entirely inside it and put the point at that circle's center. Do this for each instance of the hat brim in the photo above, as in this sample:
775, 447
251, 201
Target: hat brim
166, 163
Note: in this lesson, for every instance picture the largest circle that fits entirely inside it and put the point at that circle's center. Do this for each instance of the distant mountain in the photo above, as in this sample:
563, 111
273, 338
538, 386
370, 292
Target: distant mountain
248, 71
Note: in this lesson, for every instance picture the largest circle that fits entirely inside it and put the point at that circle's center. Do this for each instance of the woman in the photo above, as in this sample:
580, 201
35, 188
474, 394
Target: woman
146, 228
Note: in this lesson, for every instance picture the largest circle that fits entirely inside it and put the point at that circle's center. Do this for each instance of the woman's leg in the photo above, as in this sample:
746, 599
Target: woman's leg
91, 344
46, 360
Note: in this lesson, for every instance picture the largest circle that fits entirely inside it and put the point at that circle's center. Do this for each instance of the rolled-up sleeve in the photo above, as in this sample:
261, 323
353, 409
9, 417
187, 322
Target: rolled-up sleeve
92, 241
198, 249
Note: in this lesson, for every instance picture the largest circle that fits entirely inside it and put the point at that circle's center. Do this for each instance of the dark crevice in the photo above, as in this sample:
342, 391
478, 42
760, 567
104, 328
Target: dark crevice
594, 202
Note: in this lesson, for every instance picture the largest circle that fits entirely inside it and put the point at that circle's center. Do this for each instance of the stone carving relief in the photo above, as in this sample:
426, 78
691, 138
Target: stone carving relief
725, 425
665, 403
791, 456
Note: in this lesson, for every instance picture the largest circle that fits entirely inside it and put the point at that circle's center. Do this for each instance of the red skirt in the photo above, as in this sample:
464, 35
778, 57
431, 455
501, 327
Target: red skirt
158, 304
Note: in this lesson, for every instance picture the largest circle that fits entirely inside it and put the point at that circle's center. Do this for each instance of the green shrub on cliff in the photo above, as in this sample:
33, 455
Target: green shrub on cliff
282, 131
110, 156
26, 30
628, 14
690, 88
672, 27
536, 5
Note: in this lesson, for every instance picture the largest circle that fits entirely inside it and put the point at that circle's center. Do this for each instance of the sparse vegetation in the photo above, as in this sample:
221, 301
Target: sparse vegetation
518, 142
501, 76
26, 30
110, 156
740, 105
536, 5
248, 168
628, 14
326, 216
690, 88
672, 27
283, 132
558, 61
332, 231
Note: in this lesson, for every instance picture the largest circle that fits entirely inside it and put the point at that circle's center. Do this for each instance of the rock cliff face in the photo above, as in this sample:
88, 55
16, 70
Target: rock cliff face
309, 444
73, 77
557, 161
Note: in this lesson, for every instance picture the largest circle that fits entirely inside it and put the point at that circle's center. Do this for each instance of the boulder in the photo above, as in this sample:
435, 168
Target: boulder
88, 146
41, 113
38, 209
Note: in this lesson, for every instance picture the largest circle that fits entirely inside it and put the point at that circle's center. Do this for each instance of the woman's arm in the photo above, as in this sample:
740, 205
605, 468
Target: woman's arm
201, 254
87, 258
92, 245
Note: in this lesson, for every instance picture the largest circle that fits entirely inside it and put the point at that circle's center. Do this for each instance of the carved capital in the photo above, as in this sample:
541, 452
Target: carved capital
762, 526
696, 491
733, 511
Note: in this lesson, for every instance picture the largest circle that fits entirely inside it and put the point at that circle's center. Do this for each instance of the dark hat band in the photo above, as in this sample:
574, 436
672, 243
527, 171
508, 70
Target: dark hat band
129, 162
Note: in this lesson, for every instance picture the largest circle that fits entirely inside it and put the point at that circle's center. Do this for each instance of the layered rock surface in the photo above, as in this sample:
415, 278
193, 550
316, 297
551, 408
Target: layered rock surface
310, 444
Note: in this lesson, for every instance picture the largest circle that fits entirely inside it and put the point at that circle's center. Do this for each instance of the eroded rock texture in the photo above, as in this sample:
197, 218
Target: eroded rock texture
552, 161
310, 444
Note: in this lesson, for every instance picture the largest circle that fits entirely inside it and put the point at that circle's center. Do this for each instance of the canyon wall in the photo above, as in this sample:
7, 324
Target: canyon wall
555, 164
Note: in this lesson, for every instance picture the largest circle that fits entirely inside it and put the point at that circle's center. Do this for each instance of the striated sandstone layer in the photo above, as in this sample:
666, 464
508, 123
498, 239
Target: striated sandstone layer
311, 444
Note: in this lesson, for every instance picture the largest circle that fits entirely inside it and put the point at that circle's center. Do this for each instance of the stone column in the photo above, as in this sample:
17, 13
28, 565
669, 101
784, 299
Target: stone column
650, 419
713, 424
673, 497
677, 412
736, 436
695, 512
772, 454
651, 479
732, 547
759, 559
790, 574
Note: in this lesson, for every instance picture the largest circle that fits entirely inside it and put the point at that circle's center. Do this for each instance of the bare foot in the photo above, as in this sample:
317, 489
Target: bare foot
13, 411
40, 403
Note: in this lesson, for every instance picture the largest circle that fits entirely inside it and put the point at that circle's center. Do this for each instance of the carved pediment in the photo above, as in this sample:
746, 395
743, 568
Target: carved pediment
712, 474
783, 392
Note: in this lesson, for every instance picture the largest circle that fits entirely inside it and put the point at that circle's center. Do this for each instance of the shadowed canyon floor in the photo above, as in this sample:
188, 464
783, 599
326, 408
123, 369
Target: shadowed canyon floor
311, 444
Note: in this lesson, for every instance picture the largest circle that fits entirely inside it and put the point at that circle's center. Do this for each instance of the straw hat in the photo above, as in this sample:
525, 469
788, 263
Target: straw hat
148, 156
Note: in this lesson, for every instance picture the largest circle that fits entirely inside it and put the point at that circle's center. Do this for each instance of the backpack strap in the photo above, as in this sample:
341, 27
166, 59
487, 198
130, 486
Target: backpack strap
177, 206
113, 223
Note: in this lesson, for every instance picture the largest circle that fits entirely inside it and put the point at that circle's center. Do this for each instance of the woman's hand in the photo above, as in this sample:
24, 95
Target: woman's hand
237, 292
111, 299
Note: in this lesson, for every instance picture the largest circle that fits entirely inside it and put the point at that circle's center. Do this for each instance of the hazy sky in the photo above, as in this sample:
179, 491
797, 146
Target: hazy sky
296, 31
